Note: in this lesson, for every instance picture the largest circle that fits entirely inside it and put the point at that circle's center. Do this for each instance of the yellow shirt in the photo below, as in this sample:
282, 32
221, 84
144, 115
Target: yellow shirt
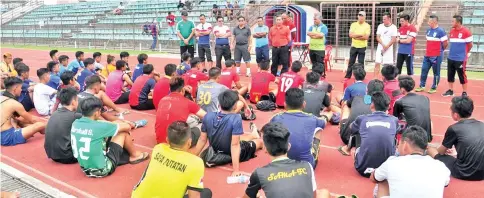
108, 69
8, 68
170, 173
361, 29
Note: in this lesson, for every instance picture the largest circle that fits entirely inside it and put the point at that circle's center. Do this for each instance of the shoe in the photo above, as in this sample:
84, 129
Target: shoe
420, 89
247, 75
140, 123
205, 71
431, 91
464, 93
448, 93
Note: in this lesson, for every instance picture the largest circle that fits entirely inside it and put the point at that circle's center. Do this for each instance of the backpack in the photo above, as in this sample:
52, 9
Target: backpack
252, 114
266, 105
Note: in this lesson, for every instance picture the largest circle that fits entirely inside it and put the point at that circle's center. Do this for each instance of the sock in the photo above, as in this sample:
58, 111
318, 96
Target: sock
238, 69
248, 71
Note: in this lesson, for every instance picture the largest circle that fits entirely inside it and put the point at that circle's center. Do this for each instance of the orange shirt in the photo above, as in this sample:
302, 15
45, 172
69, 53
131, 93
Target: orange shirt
279, 35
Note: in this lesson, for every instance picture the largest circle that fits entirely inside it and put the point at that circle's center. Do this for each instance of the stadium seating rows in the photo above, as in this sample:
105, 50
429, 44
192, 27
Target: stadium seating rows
473, 13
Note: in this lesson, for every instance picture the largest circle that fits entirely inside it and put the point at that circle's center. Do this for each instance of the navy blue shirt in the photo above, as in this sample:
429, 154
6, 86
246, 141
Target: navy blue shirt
220, 128
138, 71
356, 89
145, 91
81, 79
302, 133
25, 90
183, 68
377, 132
54, 81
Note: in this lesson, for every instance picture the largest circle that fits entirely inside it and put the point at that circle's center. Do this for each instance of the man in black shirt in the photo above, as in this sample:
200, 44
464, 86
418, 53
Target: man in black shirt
283, 177
58, 132
356, 106
467, 135
315, 99
412, 107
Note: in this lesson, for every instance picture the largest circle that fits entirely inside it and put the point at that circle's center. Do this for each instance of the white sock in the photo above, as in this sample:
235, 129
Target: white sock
248, 70
238, 69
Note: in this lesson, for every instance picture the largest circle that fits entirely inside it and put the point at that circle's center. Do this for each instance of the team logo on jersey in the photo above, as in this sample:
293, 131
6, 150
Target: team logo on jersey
460, 35
408, 32
435, 34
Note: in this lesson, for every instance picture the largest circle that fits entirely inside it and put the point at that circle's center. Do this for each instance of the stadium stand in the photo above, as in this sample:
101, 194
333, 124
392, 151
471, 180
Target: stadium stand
473, 13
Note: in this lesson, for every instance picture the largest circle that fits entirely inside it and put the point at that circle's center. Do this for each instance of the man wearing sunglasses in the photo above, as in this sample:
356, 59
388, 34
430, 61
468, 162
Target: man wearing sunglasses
222, 48
359, 34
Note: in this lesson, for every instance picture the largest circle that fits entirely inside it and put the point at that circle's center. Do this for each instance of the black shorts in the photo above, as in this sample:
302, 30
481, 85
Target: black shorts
148, 105
123, 99
344, 132
247, 150
456, 66
195, 136
117, 154
450, 161
204, 52
72, 160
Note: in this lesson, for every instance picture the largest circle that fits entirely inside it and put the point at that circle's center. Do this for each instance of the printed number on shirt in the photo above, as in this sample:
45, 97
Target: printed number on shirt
205, 98
85, 149
286, 83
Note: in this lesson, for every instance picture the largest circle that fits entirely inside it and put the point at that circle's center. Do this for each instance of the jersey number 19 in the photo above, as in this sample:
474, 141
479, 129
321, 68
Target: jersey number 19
286, 83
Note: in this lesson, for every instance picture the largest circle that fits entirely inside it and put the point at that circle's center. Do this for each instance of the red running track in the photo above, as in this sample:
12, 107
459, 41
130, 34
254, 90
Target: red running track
334, 172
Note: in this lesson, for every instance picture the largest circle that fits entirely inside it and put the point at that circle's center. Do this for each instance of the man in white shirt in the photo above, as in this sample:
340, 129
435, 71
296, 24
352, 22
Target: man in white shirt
202, 31
412, 174
222, 34
386, 35
44, 96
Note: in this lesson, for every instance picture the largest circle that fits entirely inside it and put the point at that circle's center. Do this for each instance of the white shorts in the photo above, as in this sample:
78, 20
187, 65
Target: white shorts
386, 58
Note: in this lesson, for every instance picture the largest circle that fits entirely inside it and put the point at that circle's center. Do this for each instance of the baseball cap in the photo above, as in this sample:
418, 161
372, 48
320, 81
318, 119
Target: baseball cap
363, 13
184, 13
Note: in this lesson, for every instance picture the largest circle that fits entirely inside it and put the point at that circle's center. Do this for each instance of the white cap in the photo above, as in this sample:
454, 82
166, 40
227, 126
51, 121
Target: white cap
362, 13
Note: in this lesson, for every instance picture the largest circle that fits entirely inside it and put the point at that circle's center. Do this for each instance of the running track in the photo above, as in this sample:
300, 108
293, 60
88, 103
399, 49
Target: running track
334, 172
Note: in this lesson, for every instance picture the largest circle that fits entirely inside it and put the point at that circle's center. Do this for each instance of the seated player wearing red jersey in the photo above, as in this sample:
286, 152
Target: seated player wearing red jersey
141, 94
290, 79
195, 76
229, 76
260, 81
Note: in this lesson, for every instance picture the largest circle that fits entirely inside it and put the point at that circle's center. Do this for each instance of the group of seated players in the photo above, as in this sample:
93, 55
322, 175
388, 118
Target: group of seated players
383, 124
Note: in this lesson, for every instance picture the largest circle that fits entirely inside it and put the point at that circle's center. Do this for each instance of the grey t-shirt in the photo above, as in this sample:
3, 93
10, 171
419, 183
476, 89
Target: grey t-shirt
57, 142
242, 35
207, 95
315, 101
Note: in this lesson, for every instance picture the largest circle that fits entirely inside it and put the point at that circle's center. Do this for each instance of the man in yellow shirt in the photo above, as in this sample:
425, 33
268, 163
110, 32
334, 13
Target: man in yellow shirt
173, 171
7, 66
359, 34
110, 66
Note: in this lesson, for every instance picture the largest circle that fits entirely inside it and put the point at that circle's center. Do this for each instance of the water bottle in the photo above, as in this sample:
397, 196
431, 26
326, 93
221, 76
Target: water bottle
238, 180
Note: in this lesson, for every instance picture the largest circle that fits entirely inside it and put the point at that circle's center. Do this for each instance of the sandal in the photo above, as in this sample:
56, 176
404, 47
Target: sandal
144, 157
340, 149
124, 113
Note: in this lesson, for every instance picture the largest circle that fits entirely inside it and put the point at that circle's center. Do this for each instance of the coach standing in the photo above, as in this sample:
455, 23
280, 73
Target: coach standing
202, 31
261, 32
460, 44
185, 32
279, 37
241, 44
317, 33
359, 33
406, 48
222, 35
287, 21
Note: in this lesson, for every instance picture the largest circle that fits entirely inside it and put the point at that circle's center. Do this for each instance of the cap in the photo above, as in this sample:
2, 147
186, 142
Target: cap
184, 13
363, 13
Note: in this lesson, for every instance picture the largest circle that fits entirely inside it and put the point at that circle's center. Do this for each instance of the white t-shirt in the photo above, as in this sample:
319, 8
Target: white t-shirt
386, 33
414, 176
98, 65
44, 98
224, 29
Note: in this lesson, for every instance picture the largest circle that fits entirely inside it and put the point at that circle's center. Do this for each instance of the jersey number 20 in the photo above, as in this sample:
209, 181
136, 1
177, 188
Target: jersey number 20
286, 83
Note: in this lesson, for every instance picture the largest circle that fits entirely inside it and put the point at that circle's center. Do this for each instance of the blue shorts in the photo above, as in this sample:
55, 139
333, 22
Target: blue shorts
12, 137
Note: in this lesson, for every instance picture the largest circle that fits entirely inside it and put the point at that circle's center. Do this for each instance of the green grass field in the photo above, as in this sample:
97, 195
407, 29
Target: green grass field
443, 73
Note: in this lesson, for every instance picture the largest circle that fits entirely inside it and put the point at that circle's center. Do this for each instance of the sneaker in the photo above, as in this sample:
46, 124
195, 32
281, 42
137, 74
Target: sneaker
140, 123
420, 89
431, 91
464, 93
448, 93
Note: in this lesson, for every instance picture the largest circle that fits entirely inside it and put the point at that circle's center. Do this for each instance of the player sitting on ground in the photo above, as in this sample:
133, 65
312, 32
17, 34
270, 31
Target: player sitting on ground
356, 89
118, 83
68, 81
276, 143
411, 170
225, 132
93, 89
86, 72
290, 79
322, 85
74, 65
414, 107
208, 93
391, 88
185, 65
57, 142
63, 61
158, 179
260, 81
175, 107
141, 94
194, 76
44, 96
14, 116
355, 107
26, 96
307, 133
103, 156
229, 76
375, 135
351, 81
138, 70
467, 135
54, 81
110, 67
162, 87
316, 100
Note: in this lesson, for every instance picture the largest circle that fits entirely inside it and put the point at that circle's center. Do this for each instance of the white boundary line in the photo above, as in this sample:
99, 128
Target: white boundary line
77, 190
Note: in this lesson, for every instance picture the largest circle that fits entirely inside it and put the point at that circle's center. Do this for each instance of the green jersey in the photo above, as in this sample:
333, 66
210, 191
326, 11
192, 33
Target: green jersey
88, 140
185, 28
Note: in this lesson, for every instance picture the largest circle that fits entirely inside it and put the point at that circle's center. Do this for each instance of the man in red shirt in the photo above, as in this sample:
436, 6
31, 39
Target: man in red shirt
287, 20
175, 107
289, 80
194, 76
162, 87
391, 87
259, 85
279, 38
170, 19
230, 76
